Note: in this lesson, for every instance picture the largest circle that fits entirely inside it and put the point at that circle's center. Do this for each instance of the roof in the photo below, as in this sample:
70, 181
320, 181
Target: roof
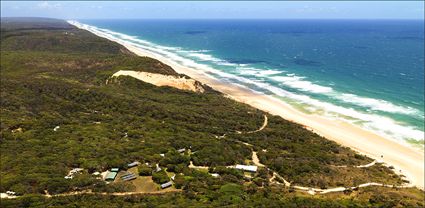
215, 174
181, 150
127, 175
251, 168
75, 170
115, 169
129, 178
136, 163
111, 175
10, 192
165, 185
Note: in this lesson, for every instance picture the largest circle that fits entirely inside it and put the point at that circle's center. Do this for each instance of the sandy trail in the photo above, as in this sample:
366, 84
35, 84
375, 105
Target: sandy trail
367, 165
359, 166
262, 127
255, 159
197, 167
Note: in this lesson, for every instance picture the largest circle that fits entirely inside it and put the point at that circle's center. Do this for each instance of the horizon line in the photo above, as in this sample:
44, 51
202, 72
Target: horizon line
149, 18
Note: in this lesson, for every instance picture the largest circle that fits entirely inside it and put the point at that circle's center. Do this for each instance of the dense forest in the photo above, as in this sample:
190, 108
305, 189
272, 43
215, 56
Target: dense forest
58, 113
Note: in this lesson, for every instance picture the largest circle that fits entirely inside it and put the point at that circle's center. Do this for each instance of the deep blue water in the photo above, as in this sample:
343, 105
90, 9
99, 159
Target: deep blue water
367, 72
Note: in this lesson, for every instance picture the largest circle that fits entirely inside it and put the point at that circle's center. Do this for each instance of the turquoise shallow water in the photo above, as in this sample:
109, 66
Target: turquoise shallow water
367, 72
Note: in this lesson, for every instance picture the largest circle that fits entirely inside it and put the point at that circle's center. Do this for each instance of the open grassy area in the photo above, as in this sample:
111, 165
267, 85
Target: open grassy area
145, 184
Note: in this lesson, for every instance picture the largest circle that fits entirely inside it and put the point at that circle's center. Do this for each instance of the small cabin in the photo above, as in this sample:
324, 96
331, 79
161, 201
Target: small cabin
181, 150
11, 193
248, 168
76, 170
69, 177
133, 164
215, 175
73, 172
166, 185
128, 177
110, 176
157, 169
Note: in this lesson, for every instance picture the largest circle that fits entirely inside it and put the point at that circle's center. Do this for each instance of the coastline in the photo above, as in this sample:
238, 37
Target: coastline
406, 160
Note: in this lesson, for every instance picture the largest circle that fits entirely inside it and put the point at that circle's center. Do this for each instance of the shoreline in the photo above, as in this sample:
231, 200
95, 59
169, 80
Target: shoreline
406, 160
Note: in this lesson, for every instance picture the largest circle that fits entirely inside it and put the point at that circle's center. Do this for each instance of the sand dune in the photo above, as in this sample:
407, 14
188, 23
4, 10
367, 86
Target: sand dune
182, 83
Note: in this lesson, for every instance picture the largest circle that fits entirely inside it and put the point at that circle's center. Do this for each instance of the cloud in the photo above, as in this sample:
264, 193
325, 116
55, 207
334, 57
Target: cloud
47, 5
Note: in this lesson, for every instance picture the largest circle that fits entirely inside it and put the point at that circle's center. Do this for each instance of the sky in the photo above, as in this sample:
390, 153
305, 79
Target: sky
215, 9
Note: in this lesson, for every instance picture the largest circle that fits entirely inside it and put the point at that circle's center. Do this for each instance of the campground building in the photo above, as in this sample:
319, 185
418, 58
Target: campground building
166, 185
248, 168
110, 176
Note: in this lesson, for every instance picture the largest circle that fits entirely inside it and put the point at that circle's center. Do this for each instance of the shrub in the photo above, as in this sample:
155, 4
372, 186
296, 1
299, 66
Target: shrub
145, 170
160, 177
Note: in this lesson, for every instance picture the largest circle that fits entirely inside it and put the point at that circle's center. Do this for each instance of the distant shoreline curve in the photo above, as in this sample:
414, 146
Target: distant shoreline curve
406, 160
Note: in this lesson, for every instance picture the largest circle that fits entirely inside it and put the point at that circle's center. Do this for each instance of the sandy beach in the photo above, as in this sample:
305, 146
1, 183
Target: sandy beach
406, 160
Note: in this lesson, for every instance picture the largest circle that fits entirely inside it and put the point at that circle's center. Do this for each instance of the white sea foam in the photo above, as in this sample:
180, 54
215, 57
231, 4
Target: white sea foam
299, 83
380, 124
205, 57
290, 80
210, 58
378, 105
168, 48
269, 72
257, 72
194, 51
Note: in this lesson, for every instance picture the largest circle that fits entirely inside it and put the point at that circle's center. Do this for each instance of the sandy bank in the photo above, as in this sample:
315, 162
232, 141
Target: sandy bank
182, 83
406, 160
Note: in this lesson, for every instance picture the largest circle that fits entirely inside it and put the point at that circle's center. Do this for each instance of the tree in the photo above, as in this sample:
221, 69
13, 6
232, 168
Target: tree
179, 181
160, 177
57, 185
145, 170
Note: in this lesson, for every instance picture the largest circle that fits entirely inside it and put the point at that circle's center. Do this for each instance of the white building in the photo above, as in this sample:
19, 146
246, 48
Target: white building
73, 172
249, 168
215, 175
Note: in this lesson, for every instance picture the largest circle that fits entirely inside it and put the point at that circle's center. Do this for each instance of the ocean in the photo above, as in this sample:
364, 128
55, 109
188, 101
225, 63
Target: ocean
366, 72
